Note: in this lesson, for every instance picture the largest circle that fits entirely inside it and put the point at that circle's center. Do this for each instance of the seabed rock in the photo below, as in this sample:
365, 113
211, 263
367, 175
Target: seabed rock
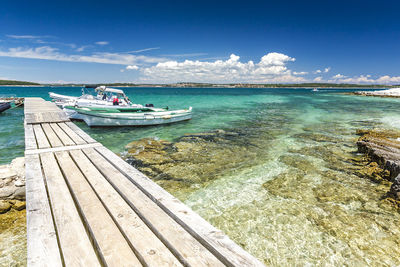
193, 159
4, 206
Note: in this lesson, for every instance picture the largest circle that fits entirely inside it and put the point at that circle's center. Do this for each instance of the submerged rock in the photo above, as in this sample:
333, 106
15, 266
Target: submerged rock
4, 206
13, 238
193, 160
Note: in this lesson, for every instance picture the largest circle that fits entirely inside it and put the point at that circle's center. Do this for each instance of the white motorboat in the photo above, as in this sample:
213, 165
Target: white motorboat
128, 116
109, 97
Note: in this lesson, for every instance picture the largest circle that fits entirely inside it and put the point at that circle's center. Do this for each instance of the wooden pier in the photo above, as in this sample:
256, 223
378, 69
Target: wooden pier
88, 207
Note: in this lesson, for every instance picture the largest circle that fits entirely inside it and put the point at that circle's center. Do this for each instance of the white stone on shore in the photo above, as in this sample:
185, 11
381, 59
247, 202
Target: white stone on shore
388, 92
12, 180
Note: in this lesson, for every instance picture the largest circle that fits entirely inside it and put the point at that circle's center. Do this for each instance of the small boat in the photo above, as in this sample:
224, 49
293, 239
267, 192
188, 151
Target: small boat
105, 116
4, 106
315, 90
104, 97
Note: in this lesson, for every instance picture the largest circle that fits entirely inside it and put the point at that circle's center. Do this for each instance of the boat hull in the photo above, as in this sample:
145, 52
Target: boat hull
62, 98
4, 106
72, 114
146, 120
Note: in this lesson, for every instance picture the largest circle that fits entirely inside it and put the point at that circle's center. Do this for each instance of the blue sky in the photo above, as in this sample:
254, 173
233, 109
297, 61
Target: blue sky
201, 41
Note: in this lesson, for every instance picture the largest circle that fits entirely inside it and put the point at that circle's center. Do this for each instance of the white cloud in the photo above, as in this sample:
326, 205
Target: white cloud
102, 43
388, 80
39, 41
50, 53
361, 79
317, 71
300, 73
143, 50
83, 47
271, 68
186, 55
357, 79
132, 67
326, 70
26, 36
338, 76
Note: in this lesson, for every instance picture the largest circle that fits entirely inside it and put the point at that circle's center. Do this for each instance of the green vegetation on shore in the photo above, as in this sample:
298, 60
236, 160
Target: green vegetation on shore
210, 85
250, 85
10, 82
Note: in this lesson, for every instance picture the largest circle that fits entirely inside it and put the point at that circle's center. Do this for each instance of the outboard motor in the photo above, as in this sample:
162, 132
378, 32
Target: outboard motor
149, 106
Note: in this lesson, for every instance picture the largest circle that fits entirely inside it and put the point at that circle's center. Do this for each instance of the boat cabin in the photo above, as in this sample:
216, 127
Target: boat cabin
109, 94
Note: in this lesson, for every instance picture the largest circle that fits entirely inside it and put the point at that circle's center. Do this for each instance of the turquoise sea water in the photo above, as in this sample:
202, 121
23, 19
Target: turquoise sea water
214, 108
298, 202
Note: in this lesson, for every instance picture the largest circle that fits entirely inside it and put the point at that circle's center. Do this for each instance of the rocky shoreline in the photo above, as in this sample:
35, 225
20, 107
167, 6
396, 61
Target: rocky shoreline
12, 214
12, 186
382, 150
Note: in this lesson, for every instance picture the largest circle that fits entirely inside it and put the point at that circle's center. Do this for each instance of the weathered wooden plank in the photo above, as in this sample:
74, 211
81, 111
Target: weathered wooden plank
37, 118
111, 243
41, 111
58, 116
29, 118
224, 248
41, 138
51, 135
61, 148
45, 117
65, 139
62, 116
51, 116
80, 132
148, 246
30, 140
75, 244
74, 136
42, 244
184, 246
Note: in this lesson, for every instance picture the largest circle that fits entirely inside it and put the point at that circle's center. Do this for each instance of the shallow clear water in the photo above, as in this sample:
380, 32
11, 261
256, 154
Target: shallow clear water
296, 200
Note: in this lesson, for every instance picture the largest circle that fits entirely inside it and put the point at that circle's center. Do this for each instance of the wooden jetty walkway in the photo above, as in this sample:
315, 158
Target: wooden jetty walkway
88, 207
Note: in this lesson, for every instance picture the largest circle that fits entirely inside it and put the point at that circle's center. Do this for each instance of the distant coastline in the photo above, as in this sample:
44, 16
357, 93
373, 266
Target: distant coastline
209, 85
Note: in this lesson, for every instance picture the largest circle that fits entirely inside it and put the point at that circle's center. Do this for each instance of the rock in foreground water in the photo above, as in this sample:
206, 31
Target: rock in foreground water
383, 150
12, 180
